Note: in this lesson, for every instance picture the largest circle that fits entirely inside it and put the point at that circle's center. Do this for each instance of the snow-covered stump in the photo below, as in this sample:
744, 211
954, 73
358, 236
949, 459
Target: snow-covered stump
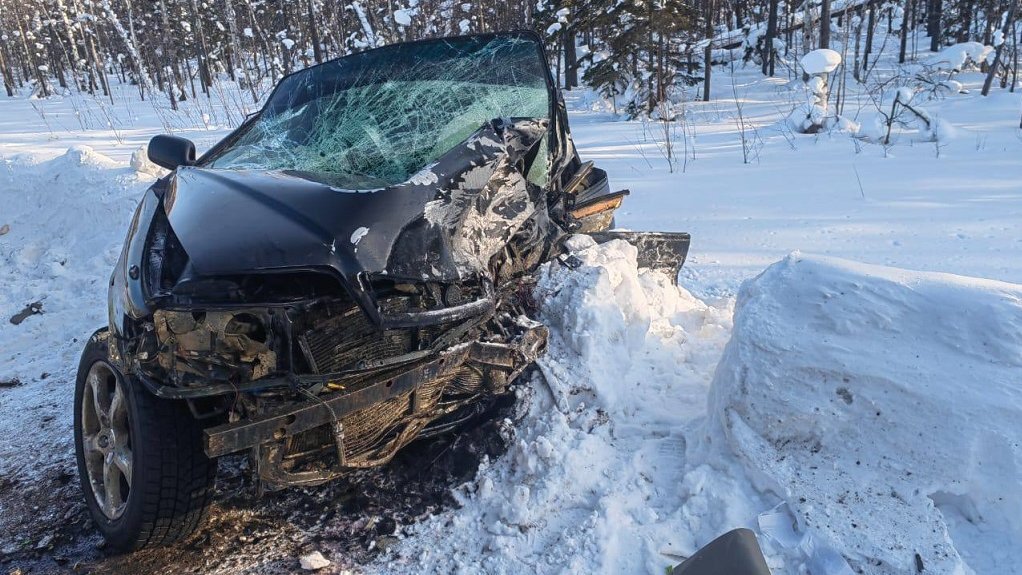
818, 65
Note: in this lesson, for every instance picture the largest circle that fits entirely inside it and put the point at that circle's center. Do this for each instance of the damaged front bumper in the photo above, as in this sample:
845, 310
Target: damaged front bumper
364, 424
308, 420
315, 388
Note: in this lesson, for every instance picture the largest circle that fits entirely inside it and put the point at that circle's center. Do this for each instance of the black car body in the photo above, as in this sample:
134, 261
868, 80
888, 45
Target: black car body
351, 268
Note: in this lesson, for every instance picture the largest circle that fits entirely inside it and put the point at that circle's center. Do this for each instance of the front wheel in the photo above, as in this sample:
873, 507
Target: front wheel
146, 480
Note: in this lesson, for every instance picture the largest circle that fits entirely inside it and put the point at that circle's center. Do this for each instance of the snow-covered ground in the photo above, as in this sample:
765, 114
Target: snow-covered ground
861, 419
831, 194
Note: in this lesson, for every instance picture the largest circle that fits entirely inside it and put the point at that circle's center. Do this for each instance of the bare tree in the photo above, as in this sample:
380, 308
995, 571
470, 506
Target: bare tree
771, 33
708, 50
825, 24
1009, 22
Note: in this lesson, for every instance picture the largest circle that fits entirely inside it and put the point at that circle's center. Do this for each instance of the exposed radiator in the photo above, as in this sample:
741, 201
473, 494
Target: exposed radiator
338, 340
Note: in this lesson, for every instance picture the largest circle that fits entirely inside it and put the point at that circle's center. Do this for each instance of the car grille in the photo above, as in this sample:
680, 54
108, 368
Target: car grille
337, 340
334, 339
372, 435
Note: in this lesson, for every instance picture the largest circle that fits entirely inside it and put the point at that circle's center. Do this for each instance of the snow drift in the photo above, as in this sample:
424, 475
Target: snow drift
883, 406
862, 420
66, 218
590, 481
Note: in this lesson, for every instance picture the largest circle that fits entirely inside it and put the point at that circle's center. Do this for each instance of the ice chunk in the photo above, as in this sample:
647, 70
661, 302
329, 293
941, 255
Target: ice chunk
313, 561
403, 17
141, 164
779, 525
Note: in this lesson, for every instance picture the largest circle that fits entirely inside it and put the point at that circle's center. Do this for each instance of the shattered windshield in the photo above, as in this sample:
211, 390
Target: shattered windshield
376, 118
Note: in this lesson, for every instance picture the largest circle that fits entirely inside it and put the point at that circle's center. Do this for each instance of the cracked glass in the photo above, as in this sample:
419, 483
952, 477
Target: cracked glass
374, 119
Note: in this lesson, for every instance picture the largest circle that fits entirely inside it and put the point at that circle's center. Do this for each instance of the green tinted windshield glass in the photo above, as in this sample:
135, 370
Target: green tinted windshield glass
374, 119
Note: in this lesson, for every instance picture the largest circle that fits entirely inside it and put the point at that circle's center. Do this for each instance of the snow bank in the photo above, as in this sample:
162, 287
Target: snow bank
591, 482
67, 217
883, 406
862, 420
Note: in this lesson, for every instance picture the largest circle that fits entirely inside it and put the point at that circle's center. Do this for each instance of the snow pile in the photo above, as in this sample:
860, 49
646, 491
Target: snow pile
814, 115
67, 217
821, 61
960, 56
862, 420
591, 482
883, 406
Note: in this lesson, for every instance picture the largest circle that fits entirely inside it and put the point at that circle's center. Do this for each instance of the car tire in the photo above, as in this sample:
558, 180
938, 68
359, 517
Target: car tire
146, 480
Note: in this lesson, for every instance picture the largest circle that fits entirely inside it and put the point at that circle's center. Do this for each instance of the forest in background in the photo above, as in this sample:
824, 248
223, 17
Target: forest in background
642, 49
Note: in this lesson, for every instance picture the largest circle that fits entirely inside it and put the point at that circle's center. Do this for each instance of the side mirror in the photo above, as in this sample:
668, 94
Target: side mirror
171, 151
733, 553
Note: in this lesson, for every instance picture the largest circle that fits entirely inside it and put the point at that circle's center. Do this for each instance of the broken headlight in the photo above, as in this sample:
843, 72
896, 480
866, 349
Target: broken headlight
215, 345
165, 260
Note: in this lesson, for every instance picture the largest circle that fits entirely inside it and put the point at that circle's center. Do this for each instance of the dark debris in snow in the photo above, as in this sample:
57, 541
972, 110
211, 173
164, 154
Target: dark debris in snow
350, 520
33, 308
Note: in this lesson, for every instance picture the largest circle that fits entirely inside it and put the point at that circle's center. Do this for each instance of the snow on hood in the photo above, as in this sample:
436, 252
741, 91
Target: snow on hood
884, 407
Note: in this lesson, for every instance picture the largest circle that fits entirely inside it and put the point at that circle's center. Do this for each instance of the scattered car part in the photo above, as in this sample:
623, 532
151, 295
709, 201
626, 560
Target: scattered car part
31, 309
347, 271
736, 552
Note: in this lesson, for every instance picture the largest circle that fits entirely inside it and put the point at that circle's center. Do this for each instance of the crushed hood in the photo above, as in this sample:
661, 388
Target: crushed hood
443, 224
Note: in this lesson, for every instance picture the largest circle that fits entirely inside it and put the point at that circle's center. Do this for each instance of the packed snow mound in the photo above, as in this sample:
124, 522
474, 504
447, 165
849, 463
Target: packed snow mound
66, 219
821, 61
883, 406
141, 163
958, 56
66, 215
591, 481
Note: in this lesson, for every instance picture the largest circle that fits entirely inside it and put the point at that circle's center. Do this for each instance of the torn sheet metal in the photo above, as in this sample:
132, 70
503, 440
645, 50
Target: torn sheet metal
351, 268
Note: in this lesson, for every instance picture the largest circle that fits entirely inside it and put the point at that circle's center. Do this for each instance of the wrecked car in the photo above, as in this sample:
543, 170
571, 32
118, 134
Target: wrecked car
347, 271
